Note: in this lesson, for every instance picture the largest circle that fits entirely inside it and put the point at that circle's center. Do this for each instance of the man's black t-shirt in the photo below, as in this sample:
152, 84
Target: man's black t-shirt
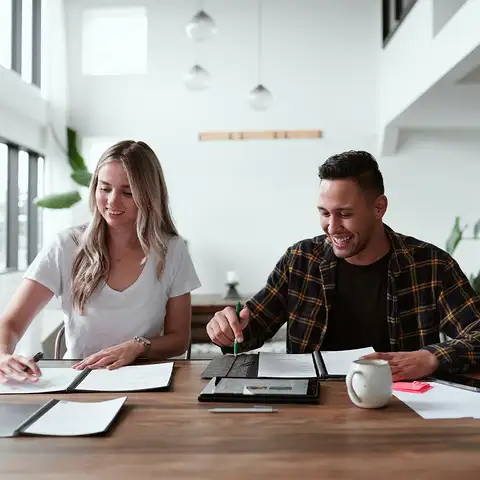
358, 316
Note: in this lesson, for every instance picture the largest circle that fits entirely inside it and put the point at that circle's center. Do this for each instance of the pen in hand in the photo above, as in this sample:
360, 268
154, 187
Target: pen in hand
37, 357
235, 343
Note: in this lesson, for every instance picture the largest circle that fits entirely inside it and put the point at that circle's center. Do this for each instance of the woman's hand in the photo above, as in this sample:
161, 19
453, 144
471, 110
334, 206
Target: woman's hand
18, 368
112, 357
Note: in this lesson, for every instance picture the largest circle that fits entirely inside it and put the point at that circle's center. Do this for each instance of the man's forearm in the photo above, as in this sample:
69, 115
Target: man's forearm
456, 355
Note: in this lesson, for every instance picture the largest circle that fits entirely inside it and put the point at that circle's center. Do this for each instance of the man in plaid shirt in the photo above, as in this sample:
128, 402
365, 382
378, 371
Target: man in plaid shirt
362, 284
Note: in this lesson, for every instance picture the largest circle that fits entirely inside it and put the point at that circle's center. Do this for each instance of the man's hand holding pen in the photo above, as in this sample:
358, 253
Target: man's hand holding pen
226, 326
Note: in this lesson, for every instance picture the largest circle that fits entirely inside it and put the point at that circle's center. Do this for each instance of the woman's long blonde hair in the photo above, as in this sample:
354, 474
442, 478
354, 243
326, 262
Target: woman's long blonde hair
154, 224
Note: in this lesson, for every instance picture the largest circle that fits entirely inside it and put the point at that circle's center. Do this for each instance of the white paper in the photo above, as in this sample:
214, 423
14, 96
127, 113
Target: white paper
128, 379
51, 380
77, 418
443, 401
339, 362
286, 365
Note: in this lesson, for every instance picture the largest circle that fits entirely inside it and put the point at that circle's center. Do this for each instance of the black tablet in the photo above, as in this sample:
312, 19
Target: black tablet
261, 390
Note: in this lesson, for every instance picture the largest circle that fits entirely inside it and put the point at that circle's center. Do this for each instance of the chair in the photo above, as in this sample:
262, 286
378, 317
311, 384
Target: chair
61, 335
58, 342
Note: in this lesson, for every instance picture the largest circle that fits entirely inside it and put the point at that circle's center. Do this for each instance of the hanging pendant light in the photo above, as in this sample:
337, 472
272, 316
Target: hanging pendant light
260, 97
201, 27
197, 78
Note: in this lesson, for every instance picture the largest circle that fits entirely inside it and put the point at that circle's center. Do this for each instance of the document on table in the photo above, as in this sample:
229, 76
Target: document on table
76, 418
339, 362
443, 401
285, 365
51, 380
128, 379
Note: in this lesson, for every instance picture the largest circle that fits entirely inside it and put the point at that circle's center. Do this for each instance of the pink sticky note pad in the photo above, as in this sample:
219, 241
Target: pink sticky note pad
412, 387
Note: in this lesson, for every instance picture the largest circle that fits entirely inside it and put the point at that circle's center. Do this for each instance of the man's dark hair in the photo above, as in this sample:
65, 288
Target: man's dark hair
356, 165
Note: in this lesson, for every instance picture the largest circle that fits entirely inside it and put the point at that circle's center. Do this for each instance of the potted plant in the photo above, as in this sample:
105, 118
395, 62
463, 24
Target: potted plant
456, 236
80, 175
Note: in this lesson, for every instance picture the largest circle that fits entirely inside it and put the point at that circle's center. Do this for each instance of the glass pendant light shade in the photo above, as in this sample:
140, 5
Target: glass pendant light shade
197, 78
201, 27
260, 98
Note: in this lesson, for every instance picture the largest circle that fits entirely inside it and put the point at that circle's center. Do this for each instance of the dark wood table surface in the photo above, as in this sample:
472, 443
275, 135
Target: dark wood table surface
171, 435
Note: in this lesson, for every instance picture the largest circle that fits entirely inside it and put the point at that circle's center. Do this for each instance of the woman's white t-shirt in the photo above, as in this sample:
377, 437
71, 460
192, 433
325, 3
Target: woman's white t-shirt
112, 317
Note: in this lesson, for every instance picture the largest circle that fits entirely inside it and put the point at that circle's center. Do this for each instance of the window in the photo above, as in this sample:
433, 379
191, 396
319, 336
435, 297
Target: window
6, 35
40, 194
20, 35
21, 180
393, 14
114, 41
3, 204
27, 39
22, 261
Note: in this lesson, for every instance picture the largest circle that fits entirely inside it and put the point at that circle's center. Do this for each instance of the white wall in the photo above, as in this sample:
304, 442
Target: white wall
416, 59
240, 204
433, 178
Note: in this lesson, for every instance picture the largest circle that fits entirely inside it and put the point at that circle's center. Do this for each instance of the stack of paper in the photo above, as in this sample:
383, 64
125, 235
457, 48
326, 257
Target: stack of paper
443, 401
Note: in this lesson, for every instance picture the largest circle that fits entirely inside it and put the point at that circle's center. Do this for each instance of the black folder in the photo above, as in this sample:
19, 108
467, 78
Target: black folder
246, 365
58, 418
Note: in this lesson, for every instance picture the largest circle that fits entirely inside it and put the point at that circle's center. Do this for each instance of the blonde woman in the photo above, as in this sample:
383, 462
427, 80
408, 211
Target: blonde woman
124, 279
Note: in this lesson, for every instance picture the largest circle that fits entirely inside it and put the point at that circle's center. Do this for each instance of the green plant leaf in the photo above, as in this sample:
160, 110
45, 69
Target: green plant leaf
71, 141
476, 229
455, 237
475, 282
75, 160
82, 177
60, 200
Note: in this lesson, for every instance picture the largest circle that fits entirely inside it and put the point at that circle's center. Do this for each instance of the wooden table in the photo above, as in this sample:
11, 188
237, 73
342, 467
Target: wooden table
171, 435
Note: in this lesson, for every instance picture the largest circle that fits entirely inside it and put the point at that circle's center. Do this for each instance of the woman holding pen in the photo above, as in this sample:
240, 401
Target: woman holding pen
124, 279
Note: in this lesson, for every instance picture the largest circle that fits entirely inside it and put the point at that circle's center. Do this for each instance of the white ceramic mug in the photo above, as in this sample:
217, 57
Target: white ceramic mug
369, 383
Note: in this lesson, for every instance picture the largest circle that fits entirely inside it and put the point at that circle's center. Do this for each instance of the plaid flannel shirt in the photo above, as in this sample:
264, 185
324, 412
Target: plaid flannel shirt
427, 293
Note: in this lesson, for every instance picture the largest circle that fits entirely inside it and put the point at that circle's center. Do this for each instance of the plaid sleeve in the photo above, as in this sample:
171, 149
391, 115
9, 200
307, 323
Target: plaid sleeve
268, 308
459, 310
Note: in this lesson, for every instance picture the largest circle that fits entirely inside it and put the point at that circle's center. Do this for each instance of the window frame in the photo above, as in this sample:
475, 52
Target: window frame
12, 217
16, 60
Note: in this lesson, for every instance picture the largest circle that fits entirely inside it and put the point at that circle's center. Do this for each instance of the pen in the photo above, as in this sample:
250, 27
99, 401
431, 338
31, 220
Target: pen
38, 356
243, 410
235, 343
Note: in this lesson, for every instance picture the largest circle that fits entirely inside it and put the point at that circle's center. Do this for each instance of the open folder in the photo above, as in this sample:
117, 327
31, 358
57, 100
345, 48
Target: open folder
58, 418
131, 378
323, 365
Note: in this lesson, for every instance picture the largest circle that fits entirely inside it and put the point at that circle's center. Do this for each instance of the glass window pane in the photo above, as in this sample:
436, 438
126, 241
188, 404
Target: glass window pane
3, 204
114, 41
6, 33
27, 39
40, 193
22, 210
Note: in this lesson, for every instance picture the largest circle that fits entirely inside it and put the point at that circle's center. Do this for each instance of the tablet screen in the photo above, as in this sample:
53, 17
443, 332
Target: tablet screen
243, 387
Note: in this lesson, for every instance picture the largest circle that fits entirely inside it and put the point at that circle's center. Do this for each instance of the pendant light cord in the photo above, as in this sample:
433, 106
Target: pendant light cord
259, 41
